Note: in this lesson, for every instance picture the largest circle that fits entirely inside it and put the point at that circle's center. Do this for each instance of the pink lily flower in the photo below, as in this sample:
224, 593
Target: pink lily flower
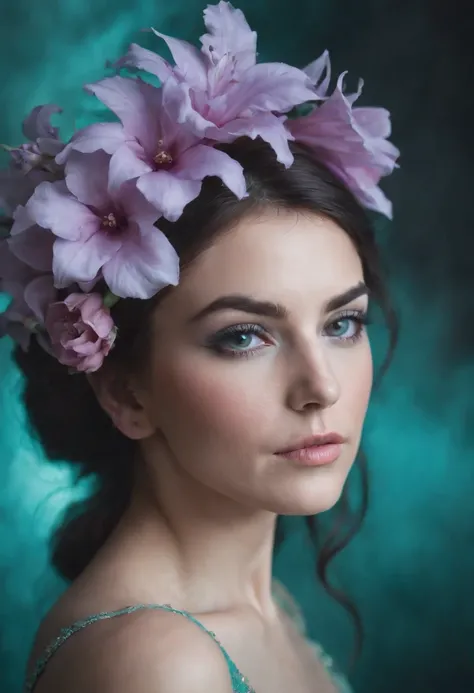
220, 91
104, 228
168, 161
353, 143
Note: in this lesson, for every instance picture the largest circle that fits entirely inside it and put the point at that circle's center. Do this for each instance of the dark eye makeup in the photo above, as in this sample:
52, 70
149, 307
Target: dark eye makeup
245, 339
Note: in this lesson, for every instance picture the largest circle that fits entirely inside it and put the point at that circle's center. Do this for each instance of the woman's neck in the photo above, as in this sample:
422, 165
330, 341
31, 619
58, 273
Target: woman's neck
195, 549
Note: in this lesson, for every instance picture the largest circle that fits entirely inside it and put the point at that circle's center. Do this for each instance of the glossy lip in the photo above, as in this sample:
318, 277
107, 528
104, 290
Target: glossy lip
316, 451
313, 441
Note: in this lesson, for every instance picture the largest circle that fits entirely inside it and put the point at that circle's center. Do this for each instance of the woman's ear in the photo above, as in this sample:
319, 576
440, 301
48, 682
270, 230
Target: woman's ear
121, 401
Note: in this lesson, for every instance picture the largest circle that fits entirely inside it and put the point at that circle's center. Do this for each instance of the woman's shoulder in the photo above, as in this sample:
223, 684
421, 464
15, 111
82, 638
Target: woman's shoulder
128, 653
289, 605
294, 613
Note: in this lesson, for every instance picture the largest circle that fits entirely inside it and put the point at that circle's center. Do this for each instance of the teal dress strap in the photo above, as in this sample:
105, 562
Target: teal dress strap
240, 683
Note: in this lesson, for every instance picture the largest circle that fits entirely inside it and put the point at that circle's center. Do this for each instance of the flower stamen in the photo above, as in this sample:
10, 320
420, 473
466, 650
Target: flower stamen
109, 221
162, 157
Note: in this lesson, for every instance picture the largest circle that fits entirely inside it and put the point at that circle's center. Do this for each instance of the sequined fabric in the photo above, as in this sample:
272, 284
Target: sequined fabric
240, 683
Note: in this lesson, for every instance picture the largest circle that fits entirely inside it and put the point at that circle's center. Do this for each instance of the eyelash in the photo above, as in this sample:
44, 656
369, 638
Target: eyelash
357, 316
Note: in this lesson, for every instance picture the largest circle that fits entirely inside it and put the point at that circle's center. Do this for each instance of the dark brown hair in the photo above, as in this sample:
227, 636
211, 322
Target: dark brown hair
63, 410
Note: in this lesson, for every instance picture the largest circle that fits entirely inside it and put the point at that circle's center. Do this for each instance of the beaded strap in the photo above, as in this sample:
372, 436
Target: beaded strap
240, 683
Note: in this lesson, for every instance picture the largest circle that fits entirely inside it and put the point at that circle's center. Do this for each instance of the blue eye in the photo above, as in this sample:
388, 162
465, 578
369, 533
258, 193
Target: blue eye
245, 340
239, 340
347, 327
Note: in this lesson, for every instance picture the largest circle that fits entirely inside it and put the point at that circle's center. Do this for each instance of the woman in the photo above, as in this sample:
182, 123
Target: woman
208, 406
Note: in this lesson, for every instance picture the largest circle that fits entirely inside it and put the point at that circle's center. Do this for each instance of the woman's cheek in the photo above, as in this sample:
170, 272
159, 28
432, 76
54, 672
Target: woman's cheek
220, 399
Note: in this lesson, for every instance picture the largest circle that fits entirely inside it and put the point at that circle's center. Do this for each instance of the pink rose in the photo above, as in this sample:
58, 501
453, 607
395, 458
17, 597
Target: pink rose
81, 330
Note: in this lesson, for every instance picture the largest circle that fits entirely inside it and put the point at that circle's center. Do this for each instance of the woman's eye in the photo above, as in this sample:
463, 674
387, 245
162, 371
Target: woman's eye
342, 327
239, 339
247, 339
242, 340
349, 327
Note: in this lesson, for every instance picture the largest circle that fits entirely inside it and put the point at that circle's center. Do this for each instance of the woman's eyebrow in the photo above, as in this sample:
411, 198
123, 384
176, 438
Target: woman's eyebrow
248, 304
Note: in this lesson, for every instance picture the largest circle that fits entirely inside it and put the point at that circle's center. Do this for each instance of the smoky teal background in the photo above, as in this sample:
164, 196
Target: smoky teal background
411, 569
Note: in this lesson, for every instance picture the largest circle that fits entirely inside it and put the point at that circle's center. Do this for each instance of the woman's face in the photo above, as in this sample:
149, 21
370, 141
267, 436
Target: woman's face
261, 346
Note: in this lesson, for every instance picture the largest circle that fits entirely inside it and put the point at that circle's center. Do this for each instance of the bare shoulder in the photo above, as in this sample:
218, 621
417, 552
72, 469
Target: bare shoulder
149, 651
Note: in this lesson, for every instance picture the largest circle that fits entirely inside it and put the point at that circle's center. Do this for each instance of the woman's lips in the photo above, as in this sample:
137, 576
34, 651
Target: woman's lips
316, 450
315, 455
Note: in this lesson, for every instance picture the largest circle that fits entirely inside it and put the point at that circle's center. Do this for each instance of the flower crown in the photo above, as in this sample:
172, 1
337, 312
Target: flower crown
84, 215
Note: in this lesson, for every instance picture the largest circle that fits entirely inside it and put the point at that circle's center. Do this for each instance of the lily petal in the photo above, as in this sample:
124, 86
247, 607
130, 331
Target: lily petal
269, 127
376, 121
106, 136
38, 124
229, 33
125, 165
136, 206
76, 261
369, 193
173, 132
146, 263
189, 61
87, 177
135, 102
180, 108
269, 87
168, 193
352, 144
201, 161
53, 207
319, 72
145, 60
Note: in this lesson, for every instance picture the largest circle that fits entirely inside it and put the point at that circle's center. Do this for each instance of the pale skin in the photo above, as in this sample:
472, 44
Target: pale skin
209, 413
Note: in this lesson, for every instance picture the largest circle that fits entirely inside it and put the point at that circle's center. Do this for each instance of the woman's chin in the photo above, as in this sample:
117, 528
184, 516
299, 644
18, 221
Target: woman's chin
308, 503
